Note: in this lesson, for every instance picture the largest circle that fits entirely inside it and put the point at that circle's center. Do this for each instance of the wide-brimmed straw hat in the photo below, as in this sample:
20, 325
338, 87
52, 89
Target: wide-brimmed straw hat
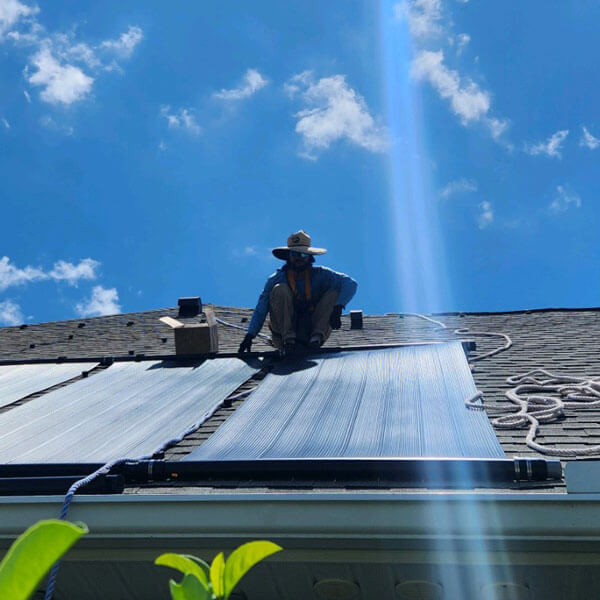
298, 242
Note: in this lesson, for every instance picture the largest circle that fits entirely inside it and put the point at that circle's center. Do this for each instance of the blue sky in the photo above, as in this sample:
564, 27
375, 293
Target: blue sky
444, 151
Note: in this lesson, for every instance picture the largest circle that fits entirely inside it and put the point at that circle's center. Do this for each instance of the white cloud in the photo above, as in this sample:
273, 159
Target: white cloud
62, 84
551, 147
588, 140
486, 215
72, 274
12, 11
334, 111
462, 39
298, 82
126, 43
563, 200
66, 49
423, 16
252, 82
81, 52
468, 101
103, 301
184, 118
251, 252
10, 313
49, 123
459, 186
497, 126
5, 123
11, 275
27, 96
63, 67
30, 36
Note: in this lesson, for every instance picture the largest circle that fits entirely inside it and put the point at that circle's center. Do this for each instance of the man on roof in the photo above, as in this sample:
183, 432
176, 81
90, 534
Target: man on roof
304, 302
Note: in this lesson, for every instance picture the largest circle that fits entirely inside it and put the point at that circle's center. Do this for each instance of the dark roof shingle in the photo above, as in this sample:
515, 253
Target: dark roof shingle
561, 341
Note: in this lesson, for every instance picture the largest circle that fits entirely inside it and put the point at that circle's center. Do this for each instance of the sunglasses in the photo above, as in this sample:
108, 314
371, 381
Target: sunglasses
294, 254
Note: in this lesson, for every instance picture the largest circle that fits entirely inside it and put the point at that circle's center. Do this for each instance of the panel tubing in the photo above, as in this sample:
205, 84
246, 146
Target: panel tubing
11, 486
468, 346
334, 472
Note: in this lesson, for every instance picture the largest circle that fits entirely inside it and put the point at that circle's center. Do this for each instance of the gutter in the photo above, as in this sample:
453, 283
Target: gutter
314, 520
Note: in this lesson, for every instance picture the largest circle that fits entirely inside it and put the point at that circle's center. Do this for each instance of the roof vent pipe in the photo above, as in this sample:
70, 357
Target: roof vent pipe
356, 319
189, 307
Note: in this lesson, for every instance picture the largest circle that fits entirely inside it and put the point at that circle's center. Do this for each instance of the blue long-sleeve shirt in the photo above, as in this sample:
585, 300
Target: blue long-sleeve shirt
322, 280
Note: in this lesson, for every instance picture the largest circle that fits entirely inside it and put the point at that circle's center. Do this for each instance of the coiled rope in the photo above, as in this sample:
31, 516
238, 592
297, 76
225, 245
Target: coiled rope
578, 392
533, 396
536, 405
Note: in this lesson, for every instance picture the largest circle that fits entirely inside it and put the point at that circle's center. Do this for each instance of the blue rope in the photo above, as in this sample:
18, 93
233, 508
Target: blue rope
65, 509
106, 469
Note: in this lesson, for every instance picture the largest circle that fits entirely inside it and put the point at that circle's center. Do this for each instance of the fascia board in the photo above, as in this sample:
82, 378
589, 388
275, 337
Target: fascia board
313, 520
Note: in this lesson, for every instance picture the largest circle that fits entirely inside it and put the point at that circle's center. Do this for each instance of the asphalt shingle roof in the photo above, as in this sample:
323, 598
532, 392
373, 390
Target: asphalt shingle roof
562, 341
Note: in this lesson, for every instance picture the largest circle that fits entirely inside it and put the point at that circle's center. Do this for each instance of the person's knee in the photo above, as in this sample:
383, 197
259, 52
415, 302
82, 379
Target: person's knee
280, 291
329, 299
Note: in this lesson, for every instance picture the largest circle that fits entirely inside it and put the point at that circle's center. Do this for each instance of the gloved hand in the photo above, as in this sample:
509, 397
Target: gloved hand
246, 344
334, 319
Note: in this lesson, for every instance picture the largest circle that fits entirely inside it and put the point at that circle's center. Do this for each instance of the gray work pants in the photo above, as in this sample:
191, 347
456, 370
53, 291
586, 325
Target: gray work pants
287, 324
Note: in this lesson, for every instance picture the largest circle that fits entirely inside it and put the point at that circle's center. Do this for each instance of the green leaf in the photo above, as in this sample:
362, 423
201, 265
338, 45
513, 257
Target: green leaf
191, 588
32, 555
185, 564
199, 561
242, 559
217, 569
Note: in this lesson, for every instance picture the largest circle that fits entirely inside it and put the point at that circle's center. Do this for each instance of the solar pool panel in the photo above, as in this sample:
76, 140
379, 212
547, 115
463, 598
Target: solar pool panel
128, 410
19, 381
401, 402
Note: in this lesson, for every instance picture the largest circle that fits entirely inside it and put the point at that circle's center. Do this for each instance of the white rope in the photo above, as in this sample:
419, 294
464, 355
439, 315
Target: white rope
532, 396
578, 392
420, 316
465, 331
506, 346
475, 401
536, 405
262, 335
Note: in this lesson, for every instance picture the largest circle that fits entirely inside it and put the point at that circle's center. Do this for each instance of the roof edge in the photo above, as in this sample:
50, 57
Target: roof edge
223, 307
515, 312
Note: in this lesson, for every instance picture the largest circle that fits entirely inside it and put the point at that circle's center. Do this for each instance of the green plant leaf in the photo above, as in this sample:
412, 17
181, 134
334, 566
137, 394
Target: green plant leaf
32, 555
217, 570
185, 564
201, 562
242, 559
191, 588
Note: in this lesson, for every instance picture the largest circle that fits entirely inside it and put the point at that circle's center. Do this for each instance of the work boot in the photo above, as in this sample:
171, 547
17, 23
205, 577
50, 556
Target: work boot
316, 341
290, 348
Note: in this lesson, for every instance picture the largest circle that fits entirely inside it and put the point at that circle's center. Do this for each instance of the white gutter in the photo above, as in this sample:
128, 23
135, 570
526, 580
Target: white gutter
310, 520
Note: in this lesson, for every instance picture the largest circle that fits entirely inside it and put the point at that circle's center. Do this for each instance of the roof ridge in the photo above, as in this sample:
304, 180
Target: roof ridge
387, 314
